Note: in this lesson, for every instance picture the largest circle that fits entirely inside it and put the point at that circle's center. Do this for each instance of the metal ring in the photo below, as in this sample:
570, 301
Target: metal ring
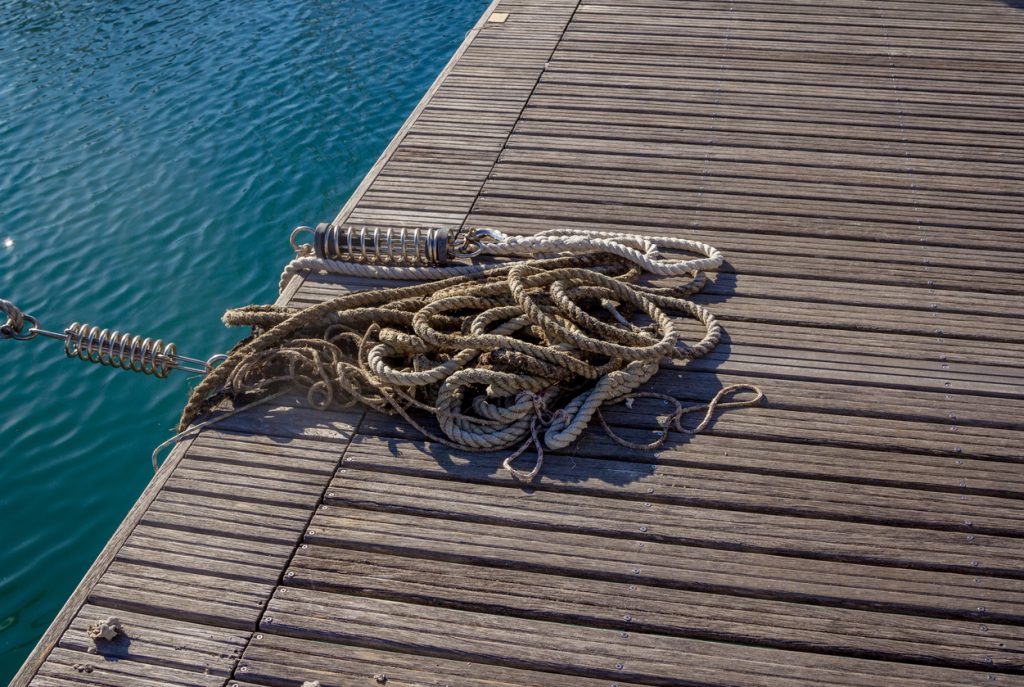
295, 234
31, 333
462, 252
471, 247
492, 234
215, 361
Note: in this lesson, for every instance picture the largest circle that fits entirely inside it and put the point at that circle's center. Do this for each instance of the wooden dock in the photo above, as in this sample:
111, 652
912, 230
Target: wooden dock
860, 164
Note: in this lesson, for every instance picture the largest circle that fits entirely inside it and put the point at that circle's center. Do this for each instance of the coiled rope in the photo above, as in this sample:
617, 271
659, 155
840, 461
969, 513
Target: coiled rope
523, 353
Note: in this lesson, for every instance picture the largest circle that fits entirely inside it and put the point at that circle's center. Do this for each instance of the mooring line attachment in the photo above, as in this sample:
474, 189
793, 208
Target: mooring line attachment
429, 254
395, 246
107, 347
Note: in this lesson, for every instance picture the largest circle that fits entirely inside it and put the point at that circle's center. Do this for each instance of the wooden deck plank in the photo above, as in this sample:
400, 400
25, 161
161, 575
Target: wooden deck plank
710, 486
859, 163
650, 609
759, 456
831, 539
678, 566
584, 651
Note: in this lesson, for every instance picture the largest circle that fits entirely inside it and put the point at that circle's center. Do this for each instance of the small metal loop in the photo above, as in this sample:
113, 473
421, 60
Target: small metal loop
494, 235
296, 232
472, 247
463, 252
25, 335
215, 361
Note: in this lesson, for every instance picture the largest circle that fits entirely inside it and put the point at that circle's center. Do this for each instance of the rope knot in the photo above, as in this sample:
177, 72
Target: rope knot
540, 407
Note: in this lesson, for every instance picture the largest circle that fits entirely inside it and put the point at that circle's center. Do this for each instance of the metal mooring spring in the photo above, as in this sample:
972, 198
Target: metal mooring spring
397, 246
108, 347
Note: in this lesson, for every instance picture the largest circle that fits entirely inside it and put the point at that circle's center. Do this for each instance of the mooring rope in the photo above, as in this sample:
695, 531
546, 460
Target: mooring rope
642, 251
522, 353
15, 322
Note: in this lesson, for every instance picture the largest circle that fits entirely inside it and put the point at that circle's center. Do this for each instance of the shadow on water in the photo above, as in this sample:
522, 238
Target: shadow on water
390, 444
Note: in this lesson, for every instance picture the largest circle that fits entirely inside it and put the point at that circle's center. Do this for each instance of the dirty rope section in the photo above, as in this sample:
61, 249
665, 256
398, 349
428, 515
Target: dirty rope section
517, 353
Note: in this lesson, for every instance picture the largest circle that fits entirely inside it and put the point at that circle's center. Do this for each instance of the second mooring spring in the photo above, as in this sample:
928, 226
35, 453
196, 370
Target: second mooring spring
378, 245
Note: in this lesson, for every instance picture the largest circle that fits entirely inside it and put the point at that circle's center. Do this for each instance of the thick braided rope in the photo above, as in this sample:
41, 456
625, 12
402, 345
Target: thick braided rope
15, 320
524, 353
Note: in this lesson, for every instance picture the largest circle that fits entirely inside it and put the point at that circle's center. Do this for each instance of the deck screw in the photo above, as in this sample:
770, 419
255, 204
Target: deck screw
289, 574
244, 669
627, 617
974, 564
643, 529
330, 495
268, 620
619, 666
625, 635
984, 628
636, 571
259, 636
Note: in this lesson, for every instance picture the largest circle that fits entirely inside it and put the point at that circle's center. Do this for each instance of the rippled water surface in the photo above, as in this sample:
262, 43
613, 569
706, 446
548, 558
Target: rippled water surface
153, 158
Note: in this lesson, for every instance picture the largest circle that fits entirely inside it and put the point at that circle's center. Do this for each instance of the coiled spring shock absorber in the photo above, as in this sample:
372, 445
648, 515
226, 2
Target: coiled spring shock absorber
392, 246
121, 350
108, 347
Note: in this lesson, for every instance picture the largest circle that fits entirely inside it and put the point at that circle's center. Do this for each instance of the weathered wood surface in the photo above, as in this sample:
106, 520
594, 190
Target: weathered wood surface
859, 163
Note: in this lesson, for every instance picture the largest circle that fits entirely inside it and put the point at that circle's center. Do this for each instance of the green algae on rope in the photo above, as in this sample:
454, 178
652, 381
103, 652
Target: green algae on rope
523, 353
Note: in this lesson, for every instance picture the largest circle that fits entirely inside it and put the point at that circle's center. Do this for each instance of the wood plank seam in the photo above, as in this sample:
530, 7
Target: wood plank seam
298, 545
519, 116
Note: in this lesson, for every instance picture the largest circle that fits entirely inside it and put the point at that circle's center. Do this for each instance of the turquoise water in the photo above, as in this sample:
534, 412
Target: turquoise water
153, 159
